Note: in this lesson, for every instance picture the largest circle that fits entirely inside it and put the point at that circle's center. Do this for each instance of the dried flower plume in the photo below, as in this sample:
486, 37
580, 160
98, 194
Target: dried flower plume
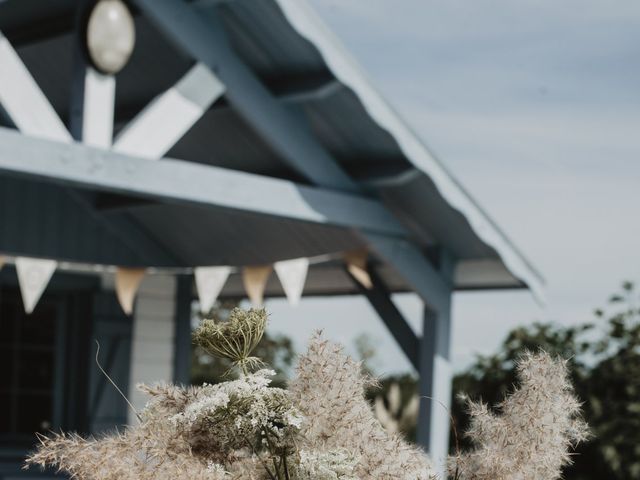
531, 437
329, 388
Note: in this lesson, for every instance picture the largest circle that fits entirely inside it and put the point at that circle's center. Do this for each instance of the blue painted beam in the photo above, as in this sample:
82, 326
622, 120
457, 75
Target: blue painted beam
380, 299
416, 269
435, 386
200, 34
177, 181
436, 373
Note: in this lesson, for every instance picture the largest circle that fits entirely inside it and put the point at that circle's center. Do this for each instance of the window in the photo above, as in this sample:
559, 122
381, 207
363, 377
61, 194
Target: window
30, 347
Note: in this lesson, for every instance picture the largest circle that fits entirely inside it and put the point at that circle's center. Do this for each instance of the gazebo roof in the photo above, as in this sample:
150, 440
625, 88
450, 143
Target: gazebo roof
289, 51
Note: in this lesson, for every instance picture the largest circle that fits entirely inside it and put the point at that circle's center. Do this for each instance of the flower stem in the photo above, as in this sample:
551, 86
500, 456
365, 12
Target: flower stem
286, 467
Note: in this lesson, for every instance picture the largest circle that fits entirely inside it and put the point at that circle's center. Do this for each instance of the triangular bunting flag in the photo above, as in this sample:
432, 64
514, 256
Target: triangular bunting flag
356, 261
127, 283
209, 283
292, 275
33, 276
255, 281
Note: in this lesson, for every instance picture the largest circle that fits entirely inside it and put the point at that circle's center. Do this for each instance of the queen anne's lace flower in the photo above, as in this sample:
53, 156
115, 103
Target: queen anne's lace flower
217, 469
331, 465
235, 338
230, 415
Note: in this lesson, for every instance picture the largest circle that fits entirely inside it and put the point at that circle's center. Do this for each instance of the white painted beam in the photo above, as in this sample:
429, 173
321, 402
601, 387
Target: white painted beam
24, 101
169, 116
98, 107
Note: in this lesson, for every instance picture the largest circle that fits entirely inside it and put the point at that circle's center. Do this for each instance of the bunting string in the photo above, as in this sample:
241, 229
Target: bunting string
83, 267
34, 275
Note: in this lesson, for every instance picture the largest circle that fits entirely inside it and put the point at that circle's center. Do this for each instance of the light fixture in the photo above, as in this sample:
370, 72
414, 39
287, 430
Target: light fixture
111, 35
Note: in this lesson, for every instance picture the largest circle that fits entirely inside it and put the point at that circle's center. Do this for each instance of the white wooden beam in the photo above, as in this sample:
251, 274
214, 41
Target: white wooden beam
98, 107
169, 116
24, 101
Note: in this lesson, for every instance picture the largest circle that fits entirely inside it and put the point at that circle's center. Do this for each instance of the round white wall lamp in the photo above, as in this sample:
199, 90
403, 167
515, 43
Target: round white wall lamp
111, 35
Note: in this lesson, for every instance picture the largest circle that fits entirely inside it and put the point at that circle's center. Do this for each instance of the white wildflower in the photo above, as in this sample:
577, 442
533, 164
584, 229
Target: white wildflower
331, 465
229, 415
217, 469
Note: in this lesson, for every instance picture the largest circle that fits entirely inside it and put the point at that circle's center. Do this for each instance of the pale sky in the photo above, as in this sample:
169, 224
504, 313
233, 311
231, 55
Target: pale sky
535, 107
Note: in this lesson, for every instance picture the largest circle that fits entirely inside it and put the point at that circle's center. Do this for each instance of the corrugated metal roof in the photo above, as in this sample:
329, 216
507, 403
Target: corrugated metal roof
303, 64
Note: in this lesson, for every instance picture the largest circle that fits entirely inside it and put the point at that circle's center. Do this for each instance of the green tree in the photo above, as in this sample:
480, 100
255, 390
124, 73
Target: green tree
604, 358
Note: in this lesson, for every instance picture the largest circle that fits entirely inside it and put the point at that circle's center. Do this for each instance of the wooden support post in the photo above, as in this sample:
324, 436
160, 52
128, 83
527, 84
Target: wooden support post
435, 386
182, 335
434, 420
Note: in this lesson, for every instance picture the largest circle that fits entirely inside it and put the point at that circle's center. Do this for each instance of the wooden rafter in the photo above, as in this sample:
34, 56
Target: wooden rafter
24, 101
98, 108
156, 129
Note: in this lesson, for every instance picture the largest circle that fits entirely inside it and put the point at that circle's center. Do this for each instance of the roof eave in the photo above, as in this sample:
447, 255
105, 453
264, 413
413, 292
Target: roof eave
307, 23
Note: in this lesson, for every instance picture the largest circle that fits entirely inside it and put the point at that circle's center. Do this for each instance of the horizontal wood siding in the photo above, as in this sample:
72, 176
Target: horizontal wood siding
113, 330
44, 220
152, 349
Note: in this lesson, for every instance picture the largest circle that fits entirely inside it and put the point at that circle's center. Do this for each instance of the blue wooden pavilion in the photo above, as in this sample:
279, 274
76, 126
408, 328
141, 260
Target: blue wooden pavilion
238, 133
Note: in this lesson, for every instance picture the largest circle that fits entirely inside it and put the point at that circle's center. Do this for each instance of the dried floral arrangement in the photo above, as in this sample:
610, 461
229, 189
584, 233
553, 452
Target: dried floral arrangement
320, 428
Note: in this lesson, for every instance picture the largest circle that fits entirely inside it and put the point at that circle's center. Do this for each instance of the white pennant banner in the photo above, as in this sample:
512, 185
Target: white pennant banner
292, 275
209, 284
33, 276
